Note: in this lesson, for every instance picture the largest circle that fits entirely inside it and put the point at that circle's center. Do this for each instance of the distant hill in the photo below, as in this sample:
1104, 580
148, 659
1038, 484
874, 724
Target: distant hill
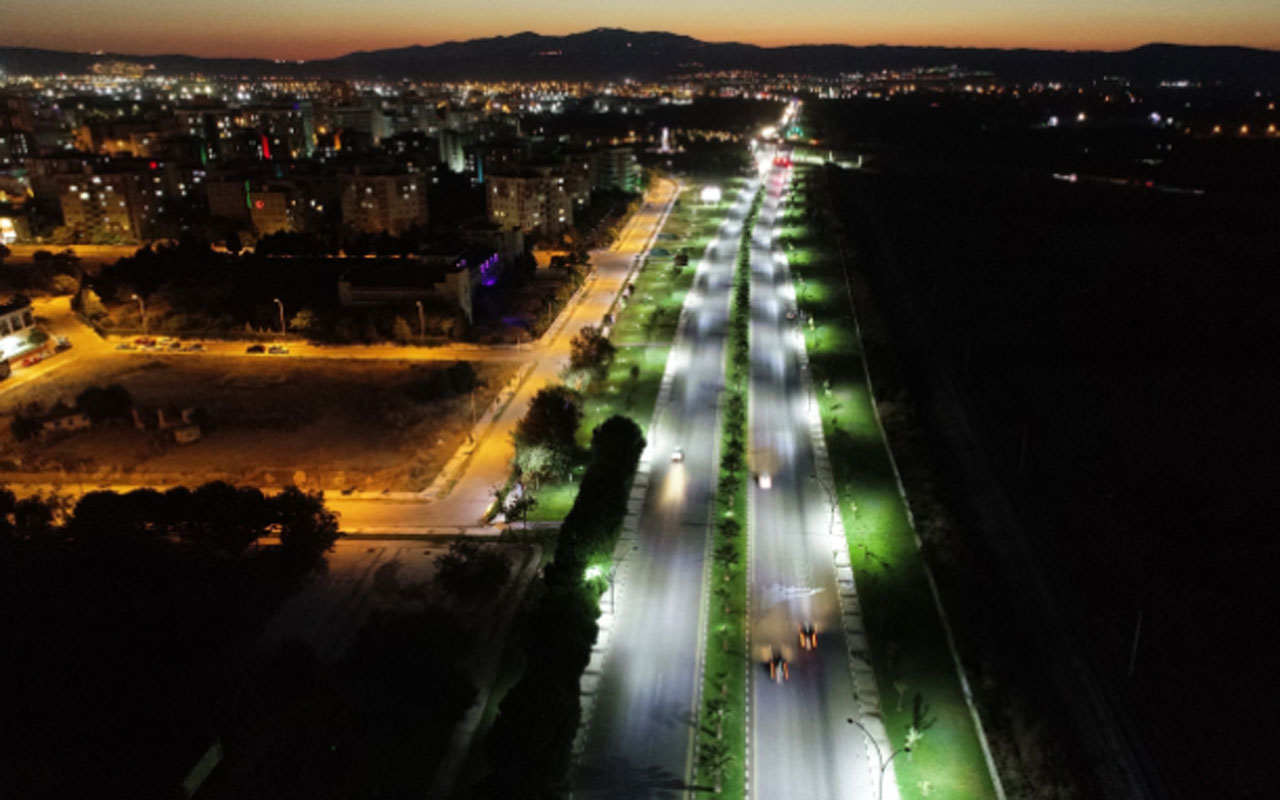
610, 53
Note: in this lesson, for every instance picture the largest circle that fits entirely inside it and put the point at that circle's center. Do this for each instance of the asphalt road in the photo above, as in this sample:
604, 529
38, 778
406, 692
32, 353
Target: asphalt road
640, 740
801, 744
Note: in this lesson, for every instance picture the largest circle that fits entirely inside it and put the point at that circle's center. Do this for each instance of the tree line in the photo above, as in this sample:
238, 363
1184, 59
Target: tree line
530, 743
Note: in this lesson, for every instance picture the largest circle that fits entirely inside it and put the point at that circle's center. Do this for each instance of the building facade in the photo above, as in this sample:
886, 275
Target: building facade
104, 207
533, 201
376, 203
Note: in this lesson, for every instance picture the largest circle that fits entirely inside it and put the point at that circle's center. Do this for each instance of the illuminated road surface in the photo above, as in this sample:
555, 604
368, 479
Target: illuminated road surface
801, 744
639, 742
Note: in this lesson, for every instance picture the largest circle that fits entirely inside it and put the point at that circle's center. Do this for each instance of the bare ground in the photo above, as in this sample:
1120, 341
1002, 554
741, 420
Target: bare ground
320, 424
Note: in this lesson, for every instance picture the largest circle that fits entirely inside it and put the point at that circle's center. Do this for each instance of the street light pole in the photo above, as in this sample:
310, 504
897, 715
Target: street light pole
280, 305
471, 395
422, 321
884, 762
142, 310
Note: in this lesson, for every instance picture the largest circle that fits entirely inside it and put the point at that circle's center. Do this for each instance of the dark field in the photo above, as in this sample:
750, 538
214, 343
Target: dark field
1113, 345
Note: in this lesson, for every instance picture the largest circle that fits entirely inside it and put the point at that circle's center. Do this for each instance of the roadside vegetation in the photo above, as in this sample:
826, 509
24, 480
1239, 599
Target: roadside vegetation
124, 619
625, 376
722, 722
529, 746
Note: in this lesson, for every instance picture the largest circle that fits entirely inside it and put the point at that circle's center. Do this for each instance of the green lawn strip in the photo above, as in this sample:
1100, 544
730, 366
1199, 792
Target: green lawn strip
908, 644
723, 724
554, 501
722, 734
651, 315
643, 339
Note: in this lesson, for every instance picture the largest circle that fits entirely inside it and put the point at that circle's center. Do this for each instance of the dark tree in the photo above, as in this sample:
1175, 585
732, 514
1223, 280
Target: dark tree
32, 517
552, 420
591, 351
8, 502
307, 529
227, 518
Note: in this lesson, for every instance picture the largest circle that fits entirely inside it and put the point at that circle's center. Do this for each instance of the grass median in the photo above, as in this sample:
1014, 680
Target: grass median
722, 721
915, 671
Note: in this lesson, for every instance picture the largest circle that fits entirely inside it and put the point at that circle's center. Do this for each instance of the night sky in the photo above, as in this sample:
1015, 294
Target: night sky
301, 29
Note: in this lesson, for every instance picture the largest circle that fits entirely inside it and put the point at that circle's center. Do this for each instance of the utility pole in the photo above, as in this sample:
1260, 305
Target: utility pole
422, 321
280, 306
471, 396
142, 311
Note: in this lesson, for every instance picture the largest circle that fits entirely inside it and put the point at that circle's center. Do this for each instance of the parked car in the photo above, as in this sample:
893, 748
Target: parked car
63, 344
144, 341
125, 346
255, 348
175, 345
278, 350
194, 348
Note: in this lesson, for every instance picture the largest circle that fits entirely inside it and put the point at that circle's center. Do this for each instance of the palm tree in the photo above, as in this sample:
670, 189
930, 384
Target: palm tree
714, 756
725, 556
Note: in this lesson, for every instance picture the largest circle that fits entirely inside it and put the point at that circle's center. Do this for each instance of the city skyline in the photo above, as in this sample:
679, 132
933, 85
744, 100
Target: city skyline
317, 29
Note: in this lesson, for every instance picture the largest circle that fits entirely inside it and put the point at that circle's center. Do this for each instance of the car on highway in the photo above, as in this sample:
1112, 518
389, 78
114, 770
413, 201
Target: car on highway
764, 480
63, 343
808, 636
278, 350
126, 346
144, 341
175, 345
194, 348
677, 455
255, 348
779, 670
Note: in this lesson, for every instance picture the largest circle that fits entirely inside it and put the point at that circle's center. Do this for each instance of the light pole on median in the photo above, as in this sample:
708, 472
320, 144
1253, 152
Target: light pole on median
280, 306
142, 311
422, 321
884, 762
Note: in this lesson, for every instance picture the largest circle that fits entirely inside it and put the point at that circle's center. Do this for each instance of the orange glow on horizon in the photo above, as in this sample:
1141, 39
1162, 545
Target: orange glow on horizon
320, 29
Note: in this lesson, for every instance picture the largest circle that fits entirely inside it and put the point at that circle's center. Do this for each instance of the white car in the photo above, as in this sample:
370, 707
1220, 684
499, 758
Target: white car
677, 455
765, 480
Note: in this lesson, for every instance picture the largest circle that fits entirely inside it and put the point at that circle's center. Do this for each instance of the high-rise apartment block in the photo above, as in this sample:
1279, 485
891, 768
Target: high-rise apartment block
376, 203
104, 207
536, 200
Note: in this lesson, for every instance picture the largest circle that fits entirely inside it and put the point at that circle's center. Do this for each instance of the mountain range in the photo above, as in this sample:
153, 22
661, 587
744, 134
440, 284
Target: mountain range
610, 54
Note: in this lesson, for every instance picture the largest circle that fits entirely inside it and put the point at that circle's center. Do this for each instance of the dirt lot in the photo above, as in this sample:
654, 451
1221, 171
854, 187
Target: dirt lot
320, 424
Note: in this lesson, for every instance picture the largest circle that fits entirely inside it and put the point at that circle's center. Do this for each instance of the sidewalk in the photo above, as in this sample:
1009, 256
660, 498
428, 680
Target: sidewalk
485, 467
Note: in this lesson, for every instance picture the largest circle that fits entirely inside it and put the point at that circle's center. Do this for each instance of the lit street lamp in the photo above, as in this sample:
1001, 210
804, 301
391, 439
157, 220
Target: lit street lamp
884, 762
422, 321
280, 305
142, 310
595, 572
